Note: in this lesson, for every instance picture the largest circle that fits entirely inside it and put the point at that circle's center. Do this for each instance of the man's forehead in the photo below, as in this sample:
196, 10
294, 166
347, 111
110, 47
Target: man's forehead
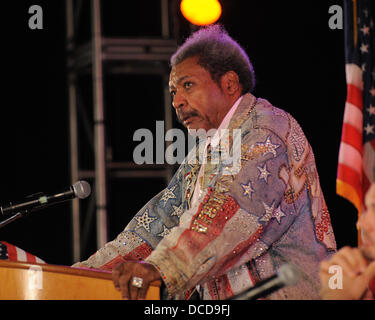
187, 68
177, 78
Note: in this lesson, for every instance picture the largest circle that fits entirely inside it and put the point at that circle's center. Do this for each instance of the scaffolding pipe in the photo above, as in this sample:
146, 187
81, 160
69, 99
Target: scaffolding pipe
99, 127
74, 170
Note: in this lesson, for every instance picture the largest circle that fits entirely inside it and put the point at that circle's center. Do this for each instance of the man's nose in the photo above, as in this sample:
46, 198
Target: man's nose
179, 100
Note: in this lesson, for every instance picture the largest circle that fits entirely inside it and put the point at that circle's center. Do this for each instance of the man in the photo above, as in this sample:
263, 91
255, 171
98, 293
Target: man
220, 228
356, 266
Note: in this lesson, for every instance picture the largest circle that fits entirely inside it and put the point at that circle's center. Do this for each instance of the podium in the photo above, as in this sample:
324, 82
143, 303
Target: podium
28, 281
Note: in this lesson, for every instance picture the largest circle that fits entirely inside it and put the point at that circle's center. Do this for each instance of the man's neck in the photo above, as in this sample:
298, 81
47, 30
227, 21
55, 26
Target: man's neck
228, 115
231, 102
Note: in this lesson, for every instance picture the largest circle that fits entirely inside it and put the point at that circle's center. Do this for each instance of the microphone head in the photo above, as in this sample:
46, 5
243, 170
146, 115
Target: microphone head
81, 189
289, 274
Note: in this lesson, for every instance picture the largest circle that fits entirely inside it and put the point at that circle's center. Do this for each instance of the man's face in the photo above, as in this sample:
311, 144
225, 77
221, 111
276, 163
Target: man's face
367, 224
198, 100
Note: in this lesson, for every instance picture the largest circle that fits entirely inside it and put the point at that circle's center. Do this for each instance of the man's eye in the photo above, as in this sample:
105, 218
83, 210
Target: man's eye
187, 85
173, 93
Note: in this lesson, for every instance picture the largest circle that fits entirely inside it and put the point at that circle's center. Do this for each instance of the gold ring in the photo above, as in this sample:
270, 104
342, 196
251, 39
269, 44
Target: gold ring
137, 282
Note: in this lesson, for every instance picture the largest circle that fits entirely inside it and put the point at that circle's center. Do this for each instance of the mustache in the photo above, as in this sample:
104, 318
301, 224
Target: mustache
182, 116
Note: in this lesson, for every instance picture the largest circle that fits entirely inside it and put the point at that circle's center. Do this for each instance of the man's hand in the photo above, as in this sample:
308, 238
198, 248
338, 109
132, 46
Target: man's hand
356, 275
122, 276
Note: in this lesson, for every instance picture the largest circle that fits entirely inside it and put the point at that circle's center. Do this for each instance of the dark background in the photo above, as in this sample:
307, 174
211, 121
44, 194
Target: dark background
299, 65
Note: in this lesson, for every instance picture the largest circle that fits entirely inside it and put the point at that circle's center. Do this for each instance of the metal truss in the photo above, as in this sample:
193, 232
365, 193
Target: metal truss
101, 55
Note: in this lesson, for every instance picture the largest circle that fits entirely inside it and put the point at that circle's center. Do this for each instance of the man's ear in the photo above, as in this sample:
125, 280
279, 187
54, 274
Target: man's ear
230, 83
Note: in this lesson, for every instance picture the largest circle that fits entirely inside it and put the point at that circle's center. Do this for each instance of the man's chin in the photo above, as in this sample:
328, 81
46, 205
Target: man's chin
368, 250
197, 129
197, 132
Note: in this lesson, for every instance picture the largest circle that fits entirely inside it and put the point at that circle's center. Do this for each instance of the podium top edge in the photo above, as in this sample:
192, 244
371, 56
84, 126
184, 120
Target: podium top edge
83, 272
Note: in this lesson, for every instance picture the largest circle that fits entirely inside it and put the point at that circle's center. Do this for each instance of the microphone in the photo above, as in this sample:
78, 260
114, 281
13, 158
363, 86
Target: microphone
80, 189
287, 275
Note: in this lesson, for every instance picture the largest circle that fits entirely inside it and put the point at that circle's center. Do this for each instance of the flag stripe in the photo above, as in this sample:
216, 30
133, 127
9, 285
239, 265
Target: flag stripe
230, 207
139, 253
21, 255
354, 96
240, 279
353, 116
225, 283
350, 157
348, 192
30, 258
354, 75
351, 136
350, 176
12, 252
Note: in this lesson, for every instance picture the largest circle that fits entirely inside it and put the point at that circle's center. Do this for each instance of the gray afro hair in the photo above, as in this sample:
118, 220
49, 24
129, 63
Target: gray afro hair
218, 53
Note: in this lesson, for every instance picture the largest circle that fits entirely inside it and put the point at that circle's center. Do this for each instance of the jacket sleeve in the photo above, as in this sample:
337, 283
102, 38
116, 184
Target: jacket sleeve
144, 231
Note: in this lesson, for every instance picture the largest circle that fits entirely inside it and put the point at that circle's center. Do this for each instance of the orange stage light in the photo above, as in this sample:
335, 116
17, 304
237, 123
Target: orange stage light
201, 12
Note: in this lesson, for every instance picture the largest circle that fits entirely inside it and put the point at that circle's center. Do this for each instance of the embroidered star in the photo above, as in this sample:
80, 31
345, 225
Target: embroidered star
371, 110
144, 221
365, 29
248, 190
263, 173
278, 214
168, 194
177, 211
369, 129
364, 48
269, 210
271, 148
165, 232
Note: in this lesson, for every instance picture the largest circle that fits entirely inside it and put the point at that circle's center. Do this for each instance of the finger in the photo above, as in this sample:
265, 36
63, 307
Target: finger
133, 291
354, 259
343, 263
324, 266
359, 261
143, 291
124, 285
116, 272
342, 259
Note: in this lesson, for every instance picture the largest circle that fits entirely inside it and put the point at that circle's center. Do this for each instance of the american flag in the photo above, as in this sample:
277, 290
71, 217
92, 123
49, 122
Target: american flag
13, 253
357, 150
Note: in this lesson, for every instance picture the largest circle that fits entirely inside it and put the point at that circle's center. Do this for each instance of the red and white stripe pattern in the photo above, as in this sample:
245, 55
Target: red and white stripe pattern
14, 253
357, 156
350, 168
355, 168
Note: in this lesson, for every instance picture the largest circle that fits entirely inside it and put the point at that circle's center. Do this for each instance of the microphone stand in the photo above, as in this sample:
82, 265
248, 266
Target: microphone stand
20, 214
23, 213
13, 218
